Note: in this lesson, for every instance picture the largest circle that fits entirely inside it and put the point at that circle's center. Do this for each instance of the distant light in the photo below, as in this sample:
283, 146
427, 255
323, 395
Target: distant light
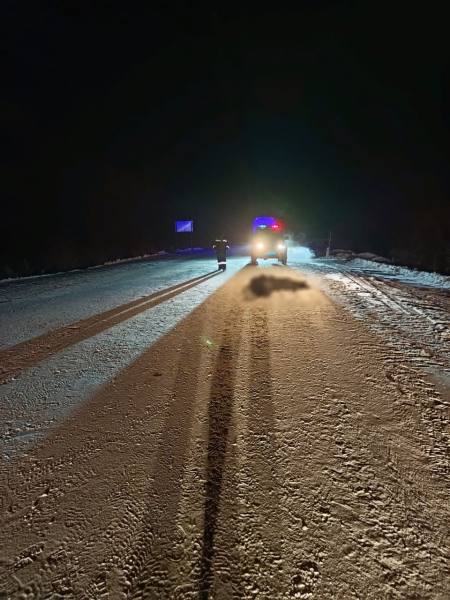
260, 246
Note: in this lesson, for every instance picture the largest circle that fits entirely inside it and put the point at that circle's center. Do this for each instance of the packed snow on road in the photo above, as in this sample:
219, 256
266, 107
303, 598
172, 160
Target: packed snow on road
169, 431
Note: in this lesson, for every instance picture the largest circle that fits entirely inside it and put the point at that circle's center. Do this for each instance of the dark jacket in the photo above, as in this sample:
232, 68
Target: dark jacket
221, 247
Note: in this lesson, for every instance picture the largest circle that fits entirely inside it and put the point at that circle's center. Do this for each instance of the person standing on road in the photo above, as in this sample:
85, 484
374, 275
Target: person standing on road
221, 246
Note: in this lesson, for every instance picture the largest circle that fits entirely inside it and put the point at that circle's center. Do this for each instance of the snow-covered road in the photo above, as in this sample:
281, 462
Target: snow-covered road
68, 335
35, 305
271, 432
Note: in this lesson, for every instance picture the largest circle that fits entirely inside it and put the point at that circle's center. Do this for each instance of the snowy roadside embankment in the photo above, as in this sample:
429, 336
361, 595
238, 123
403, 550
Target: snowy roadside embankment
398, 273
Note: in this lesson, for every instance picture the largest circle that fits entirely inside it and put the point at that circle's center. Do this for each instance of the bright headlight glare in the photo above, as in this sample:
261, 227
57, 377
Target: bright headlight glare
281, 246
260, 246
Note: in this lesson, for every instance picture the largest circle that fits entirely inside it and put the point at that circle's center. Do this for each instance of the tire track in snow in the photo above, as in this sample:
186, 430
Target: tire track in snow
160, 543
259, 483
146, 570
402, 315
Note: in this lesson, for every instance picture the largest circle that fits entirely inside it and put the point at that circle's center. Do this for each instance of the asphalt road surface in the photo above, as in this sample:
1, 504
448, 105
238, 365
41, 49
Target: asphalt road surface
268, 433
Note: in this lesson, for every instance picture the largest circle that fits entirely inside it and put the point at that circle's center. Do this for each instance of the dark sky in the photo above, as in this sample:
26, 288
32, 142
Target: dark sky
119, 118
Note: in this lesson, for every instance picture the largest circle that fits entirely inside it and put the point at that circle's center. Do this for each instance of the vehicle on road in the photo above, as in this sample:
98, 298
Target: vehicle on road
268, 240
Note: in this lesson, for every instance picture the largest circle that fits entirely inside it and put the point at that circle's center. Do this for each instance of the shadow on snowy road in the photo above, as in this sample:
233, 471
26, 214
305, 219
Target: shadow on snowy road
219, 418
259, 530
262, 525
156, 545
26, 354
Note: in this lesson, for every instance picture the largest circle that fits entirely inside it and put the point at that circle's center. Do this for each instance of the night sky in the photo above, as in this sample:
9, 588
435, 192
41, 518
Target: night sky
332, 115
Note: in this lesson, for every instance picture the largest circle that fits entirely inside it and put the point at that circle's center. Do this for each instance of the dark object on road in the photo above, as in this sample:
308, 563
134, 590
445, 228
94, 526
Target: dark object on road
221, 247
264, 285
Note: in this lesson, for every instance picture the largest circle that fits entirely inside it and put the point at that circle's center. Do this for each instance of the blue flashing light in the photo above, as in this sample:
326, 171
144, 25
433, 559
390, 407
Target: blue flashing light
263, 222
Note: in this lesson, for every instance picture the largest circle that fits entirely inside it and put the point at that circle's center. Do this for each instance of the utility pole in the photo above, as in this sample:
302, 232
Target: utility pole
329, 246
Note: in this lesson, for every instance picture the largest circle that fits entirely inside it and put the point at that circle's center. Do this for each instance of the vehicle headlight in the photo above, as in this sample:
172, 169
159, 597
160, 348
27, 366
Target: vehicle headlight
260, 246
281, 246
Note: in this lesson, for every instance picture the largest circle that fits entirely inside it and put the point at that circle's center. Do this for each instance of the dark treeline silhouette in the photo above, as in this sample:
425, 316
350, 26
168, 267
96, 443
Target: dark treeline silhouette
421, 243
